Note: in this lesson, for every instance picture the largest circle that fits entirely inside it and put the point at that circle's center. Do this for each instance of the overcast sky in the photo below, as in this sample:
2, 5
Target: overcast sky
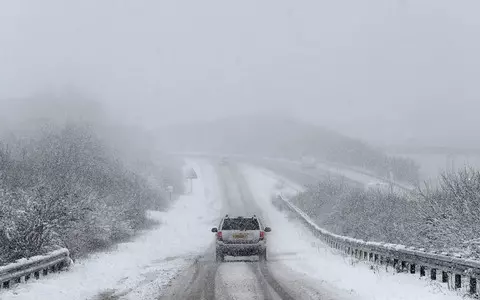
385, 70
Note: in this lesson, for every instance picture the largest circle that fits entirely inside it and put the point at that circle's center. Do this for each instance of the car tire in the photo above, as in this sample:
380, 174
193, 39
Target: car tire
219, 256
263, 255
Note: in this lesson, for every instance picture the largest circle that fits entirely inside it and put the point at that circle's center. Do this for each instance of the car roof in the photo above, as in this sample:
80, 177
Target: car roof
240, 217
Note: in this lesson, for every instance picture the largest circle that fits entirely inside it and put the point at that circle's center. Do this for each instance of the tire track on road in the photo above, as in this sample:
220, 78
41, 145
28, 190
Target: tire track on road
196, 283
261, 268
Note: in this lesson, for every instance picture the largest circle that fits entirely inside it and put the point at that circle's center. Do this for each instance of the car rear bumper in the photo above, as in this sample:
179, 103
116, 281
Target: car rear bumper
241, 249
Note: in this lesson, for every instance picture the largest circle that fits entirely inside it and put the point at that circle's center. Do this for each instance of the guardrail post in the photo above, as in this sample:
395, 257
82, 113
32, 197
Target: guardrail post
433, 274
422, 271
458, 281
473, 285
412, 268
388, 261
444, 276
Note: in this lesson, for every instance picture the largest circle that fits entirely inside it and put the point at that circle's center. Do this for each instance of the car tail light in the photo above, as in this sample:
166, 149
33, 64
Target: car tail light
262, 235
219, 235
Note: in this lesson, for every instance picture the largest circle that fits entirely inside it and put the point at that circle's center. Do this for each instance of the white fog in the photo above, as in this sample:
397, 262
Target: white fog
347, 128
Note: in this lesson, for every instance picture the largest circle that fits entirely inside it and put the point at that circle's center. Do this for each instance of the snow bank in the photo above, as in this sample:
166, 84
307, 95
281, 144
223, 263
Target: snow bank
295, 248
143, 267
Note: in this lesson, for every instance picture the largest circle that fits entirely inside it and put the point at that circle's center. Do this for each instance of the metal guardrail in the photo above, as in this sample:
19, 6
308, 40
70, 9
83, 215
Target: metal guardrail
456, 272
34, 267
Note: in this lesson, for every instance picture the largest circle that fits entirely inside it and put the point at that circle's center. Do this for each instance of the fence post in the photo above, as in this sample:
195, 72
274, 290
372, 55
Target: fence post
458, 281
444, 276
473, 285
395, 262
388, 261
433, 274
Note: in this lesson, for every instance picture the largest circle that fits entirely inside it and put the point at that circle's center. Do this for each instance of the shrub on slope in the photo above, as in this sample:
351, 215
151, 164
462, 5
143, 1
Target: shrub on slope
64, 188
446, 218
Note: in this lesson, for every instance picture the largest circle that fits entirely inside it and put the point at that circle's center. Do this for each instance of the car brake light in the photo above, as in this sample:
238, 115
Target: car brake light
219, 235
262, 235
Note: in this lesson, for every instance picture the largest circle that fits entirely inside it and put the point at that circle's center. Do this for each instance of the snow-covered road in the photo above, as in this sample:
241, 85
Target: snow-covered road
311, 176
176, 260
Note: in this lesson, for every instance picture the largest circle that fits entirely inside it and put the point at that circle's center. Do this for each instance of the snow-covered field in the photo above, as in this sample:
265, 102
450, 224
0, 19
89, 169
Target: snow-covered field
141, 268
293, 249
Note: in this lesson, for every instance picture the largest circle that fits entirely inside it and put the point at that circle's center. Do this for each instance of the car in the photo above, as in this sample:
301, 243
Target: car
241, 236
308, 162
224, 161
377, 186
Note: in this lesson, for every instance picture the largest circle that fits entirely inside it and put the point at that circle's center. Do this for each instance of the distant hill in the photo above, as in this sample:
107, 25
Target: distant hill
282, 137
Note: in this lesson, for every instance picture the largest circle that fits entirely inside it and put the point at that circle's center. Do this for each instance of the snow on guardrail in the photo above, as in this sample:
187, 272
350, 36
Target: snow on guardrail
456, 271
36, 266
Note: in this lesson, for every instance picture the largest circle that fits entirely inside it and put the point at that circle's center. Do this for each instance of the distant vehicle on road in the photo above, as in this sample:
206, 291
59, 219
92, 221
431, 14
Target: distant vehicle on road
378, 186
224, 160
241, 236
308, 162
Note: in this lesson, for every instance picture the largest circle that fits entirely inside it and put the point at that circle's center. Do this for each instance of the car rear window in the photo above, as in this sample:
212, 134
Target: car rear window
240, 224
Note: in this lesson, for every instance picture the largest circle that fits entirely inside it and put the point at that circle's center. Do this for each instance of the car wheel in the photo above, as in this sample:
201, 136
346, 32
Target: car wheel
219, 257
263, 255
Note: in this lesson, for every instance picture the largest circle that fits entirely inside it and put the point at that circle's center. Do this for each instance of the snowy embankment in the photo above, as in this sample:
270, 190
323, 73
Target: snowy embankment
363, 177
294, 249
139, 269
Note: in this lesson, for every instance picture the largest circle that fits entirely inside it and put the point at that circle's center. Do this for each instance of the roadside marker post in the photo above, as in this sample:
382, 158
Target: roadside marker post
170, 190
191, 175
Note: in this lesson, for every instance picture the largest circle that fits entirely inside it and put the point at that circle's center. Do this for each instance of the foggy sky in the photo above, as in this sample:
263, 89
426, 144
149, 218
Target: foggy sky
384, 70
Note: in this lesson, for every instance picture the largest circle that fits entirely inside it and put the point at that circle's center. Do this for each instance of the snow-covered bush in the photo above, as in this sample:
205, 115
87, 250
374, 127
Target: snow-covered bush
444, 218
65, 187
